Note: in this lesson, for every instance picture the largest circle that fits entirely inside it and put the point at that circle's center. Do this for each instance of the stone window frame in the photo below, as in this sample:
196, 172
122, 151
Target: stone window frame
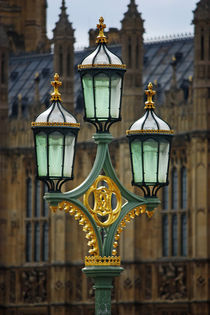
174, 212
36, 222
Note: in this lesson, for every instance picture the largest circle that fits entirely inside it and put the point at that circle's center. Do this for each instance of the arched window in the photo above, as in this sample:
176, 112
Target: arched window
184, 234
183, 188
174, 236
38, 199
29, 198
165, 198
174, 196
37, 242
68, 63
60, 58
137, 55
45, 242
165, 244
36, 222
28, 242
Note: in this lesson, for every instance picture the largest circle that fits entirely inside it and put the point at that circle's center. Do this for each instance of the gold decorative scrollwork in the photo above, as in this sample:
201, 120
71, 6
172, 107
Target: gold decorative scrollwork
102, 191
84, 221
129, 216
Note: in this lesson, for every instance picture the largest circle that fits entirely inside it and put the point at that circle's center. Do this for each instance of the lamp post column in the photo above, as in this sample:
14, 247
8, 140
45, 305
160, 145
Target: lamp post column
103, 277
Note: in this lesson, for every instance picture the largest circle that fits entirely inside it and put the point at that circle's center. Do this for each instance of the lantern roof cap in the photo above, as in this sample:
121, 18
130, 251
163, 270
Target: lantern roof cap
56, 114
150, 122
101, 57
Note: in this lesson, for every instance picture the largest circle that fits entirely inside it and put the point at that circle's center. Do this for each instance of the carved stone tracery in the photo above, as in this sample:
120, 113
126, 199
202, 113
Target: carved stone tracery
33, 286
172, 282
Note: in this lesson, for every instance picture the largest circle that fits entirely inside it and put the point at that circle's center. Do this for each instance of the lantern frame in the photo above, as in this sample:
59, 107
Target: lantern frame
149, 190
109, 65
150, 127
56, 119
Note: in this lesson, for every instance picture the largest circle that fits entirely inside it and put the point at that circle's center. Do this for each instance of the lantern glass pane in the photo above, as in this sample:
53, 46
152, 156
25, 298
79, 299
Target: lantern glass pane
88, 95
163, 161
41, 152
136, 152
55, 154
150, 149
69, 154
116, 82
102, 96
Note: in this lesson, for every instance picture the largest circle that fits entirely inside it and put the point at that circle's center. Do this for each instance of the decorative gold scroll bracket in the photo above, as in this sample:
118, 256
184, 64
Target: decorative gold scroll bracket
82, 220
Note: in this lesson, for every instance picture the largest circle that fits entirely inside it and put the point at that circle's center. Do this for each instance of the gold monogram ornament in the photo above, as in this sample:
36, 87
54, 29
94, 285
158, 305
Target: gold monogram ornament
107, 201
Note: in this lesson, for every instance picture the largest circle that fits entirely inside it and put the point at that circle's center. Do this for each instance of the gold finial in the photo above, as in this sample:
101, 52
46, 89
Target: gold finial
55, 95
150, 93
101, 38
190, 78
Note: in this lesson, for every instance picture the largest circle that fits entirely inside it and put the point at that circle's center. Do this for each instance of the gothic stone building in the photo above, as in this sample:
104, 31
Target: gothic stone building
166, 258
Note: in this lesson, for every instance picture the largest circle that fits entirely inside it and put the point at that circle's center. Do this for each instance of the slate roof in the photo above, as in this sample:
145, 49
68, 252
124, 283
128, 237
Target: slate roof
157, 59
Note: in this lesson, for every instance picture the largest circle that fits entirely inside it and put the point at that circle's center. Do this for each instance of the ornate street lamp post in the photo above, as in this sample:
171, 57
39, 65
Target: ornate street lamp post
55, 133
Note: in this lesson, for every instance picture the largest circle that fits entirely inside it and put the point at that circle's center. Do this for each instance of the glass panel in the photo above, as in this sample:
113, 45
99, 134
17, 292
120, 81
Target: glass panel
150, 148
174, 189
165, 235
37, 242
38, 199
116, 83
28, 242
45, 242
165, 198
183, 188
29, 198
174, 236
184, 235
45, 203
102, 95
88, 95
41, 151
55, 154
136, 154
163, 161
69, 155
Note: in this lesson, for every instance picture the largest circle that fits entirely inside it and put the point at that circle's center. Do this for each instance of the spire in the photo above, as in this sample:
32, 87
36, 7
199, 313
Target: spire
63, 26
202, 11
132, 10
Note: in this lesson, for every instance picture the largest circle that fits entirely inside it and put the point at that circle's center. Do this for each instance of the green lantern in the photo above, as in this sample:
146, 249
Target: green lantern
55, 134
102, 75
150, 145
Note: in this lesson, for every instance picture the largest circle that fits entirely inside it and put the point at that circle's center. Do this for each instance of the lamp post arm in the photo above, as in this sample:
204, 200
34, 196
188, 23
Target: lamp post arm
129, 211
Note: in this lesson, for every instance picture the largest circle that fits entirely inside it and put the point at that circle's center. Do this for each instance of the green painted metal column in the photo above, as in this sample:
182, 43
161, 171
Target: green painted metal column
103, 277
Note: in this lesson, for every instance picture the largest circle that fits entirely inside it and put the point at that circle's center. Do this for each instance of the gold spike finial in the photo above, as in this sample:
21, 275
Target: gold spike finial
56, 95
101, 38
150, 93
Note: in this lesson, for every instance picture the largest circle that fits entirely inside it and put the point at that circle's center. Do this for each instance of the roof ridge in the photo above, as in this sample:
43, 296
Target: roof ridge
168, 38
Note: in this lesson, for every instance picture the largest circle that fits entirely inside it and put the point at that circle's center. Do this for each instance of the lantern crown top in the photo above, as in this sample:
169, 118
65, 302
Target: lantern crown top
150, 123
56, 95
149, 104
101, 57
101, 38
56, 115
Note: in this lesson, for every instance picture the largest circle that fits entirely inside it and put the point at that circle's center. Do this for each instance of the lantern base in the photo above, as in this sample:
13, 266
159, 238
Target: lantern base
149, 190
